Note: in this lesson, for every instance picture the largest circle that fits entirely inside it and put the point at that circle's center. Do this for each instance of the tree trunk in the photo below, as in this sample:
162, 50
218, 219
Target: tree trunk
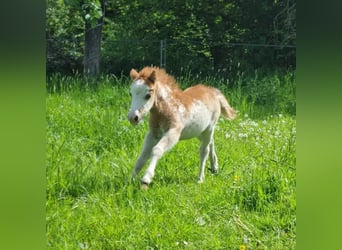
92, 46
92, 49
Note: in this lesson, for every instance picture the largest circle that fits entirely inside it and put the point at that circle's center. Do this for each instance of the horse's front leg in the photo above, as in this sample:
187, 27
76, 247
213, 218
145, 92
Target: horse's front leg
165, 144
149, 142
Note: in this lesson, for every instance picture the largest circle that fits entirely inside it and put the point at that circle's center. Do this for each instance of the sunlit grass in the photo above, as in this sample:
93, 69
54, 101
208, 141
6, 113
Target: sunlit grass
91, 149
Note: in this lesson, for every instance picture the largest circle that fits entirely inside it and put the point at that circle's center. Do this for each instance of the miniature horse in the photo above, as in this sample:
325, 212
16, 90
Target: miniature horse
174, 115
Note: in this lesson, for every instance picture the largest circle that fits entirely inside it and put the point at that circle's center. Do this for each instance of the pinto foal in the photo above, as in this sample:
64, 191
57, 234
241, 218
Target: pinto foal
174, 115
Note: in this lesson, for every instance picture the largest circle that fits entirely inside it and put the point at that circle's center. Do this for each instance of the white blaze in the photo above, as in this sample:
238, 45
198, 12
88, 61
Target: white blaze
140, 105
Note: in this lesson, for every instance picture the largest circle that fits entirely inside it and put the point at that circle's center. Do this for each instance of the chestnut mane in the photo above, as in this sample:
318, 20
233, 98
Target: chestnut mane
161, 76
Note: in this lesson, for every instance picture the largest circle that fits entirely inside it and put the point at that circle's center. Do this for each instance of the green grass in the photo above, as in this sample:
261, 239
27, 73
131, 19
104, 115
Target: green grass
91, 149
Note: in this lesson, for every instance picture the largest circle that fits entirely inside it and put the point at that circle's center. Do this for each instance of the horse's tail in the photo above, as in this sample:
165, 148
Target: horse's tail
226, 110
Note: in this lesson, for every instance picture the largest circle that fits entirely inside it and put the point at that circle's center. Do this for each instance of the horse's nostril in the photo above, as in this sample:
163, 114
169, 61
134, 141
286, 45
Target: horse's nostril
136, 118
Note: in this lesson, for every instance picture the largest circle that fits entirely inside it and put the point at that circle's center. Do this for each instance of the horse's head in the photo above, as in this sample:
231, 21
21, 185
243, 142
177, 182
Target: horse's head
143, 95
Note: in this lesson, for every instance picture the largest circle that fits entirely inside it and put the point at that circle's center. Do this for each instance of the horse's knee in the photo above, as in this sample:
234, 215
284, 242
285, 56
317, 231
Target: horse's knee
157, 152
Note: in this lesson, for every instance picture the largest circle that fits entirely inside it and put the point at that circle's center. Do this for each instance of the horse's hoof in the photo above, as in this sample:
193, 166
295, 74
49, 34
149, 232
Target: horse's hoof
214, 171
144, 186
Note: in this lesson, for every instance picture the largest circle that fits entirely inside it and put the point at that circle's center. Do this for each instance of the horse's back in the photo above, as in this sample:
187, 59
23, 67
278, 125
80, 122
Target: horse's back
199, 90
207, 95
213, 98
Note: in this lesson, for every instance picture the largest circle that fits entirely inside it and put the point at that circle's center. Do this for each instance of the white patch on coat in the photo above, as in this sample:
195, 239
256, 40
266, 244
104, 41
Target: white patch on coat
164, 92
196, 121
177, 107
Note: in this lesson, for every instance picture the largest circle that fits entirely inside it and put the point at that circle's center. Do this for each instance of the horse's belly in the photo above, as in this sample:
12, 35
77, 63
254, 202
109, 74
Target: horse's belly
191, 131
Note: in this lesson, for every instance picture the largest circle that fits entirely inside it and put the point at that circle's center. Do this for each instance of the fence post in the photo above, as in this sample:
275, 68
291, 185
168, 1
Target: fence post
163, 53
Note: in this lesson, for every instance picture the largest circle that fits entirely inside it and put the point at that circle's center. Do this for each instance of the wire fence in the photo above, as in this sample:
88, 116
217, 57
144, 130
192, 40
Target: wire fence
163, 48
176, 56
119, 56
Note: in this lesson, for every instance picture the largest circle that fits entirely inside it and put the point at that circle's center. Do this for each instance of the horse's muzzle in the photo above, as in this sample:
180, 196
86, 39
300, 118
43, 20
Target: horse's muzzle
134, 118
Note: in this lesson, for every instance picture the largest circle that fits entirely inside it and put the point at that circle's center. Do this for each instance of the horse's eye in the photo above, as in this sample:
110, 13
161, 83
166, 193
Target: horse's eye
148, 96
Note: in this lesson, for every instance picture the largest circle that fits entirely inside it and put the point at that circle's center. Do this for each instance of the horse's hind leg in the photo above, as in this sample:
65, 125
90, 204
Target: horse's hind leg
213, 157
204, 151
206, 139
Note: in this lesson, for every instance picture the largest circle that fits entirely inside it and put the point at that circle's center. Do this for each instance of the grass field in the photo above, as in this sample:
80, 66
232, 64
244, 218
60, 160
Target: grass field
91, 149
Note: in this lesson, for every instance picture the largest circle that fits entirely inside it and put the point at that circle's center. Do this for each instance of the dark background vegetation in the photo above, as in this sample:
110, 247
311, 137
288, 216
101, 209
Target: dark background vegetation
204, 37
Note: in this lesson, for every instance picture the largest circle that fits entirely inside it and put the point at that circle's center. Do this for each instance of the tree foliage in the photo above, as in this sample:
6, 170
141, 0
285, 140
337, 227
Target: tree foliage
200, 35
64, 33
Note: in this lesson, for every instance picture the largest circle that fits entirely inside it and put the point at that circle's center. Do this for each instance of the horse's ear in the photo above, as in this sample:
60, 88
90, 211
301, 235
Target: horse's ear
152, 77
133, 74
